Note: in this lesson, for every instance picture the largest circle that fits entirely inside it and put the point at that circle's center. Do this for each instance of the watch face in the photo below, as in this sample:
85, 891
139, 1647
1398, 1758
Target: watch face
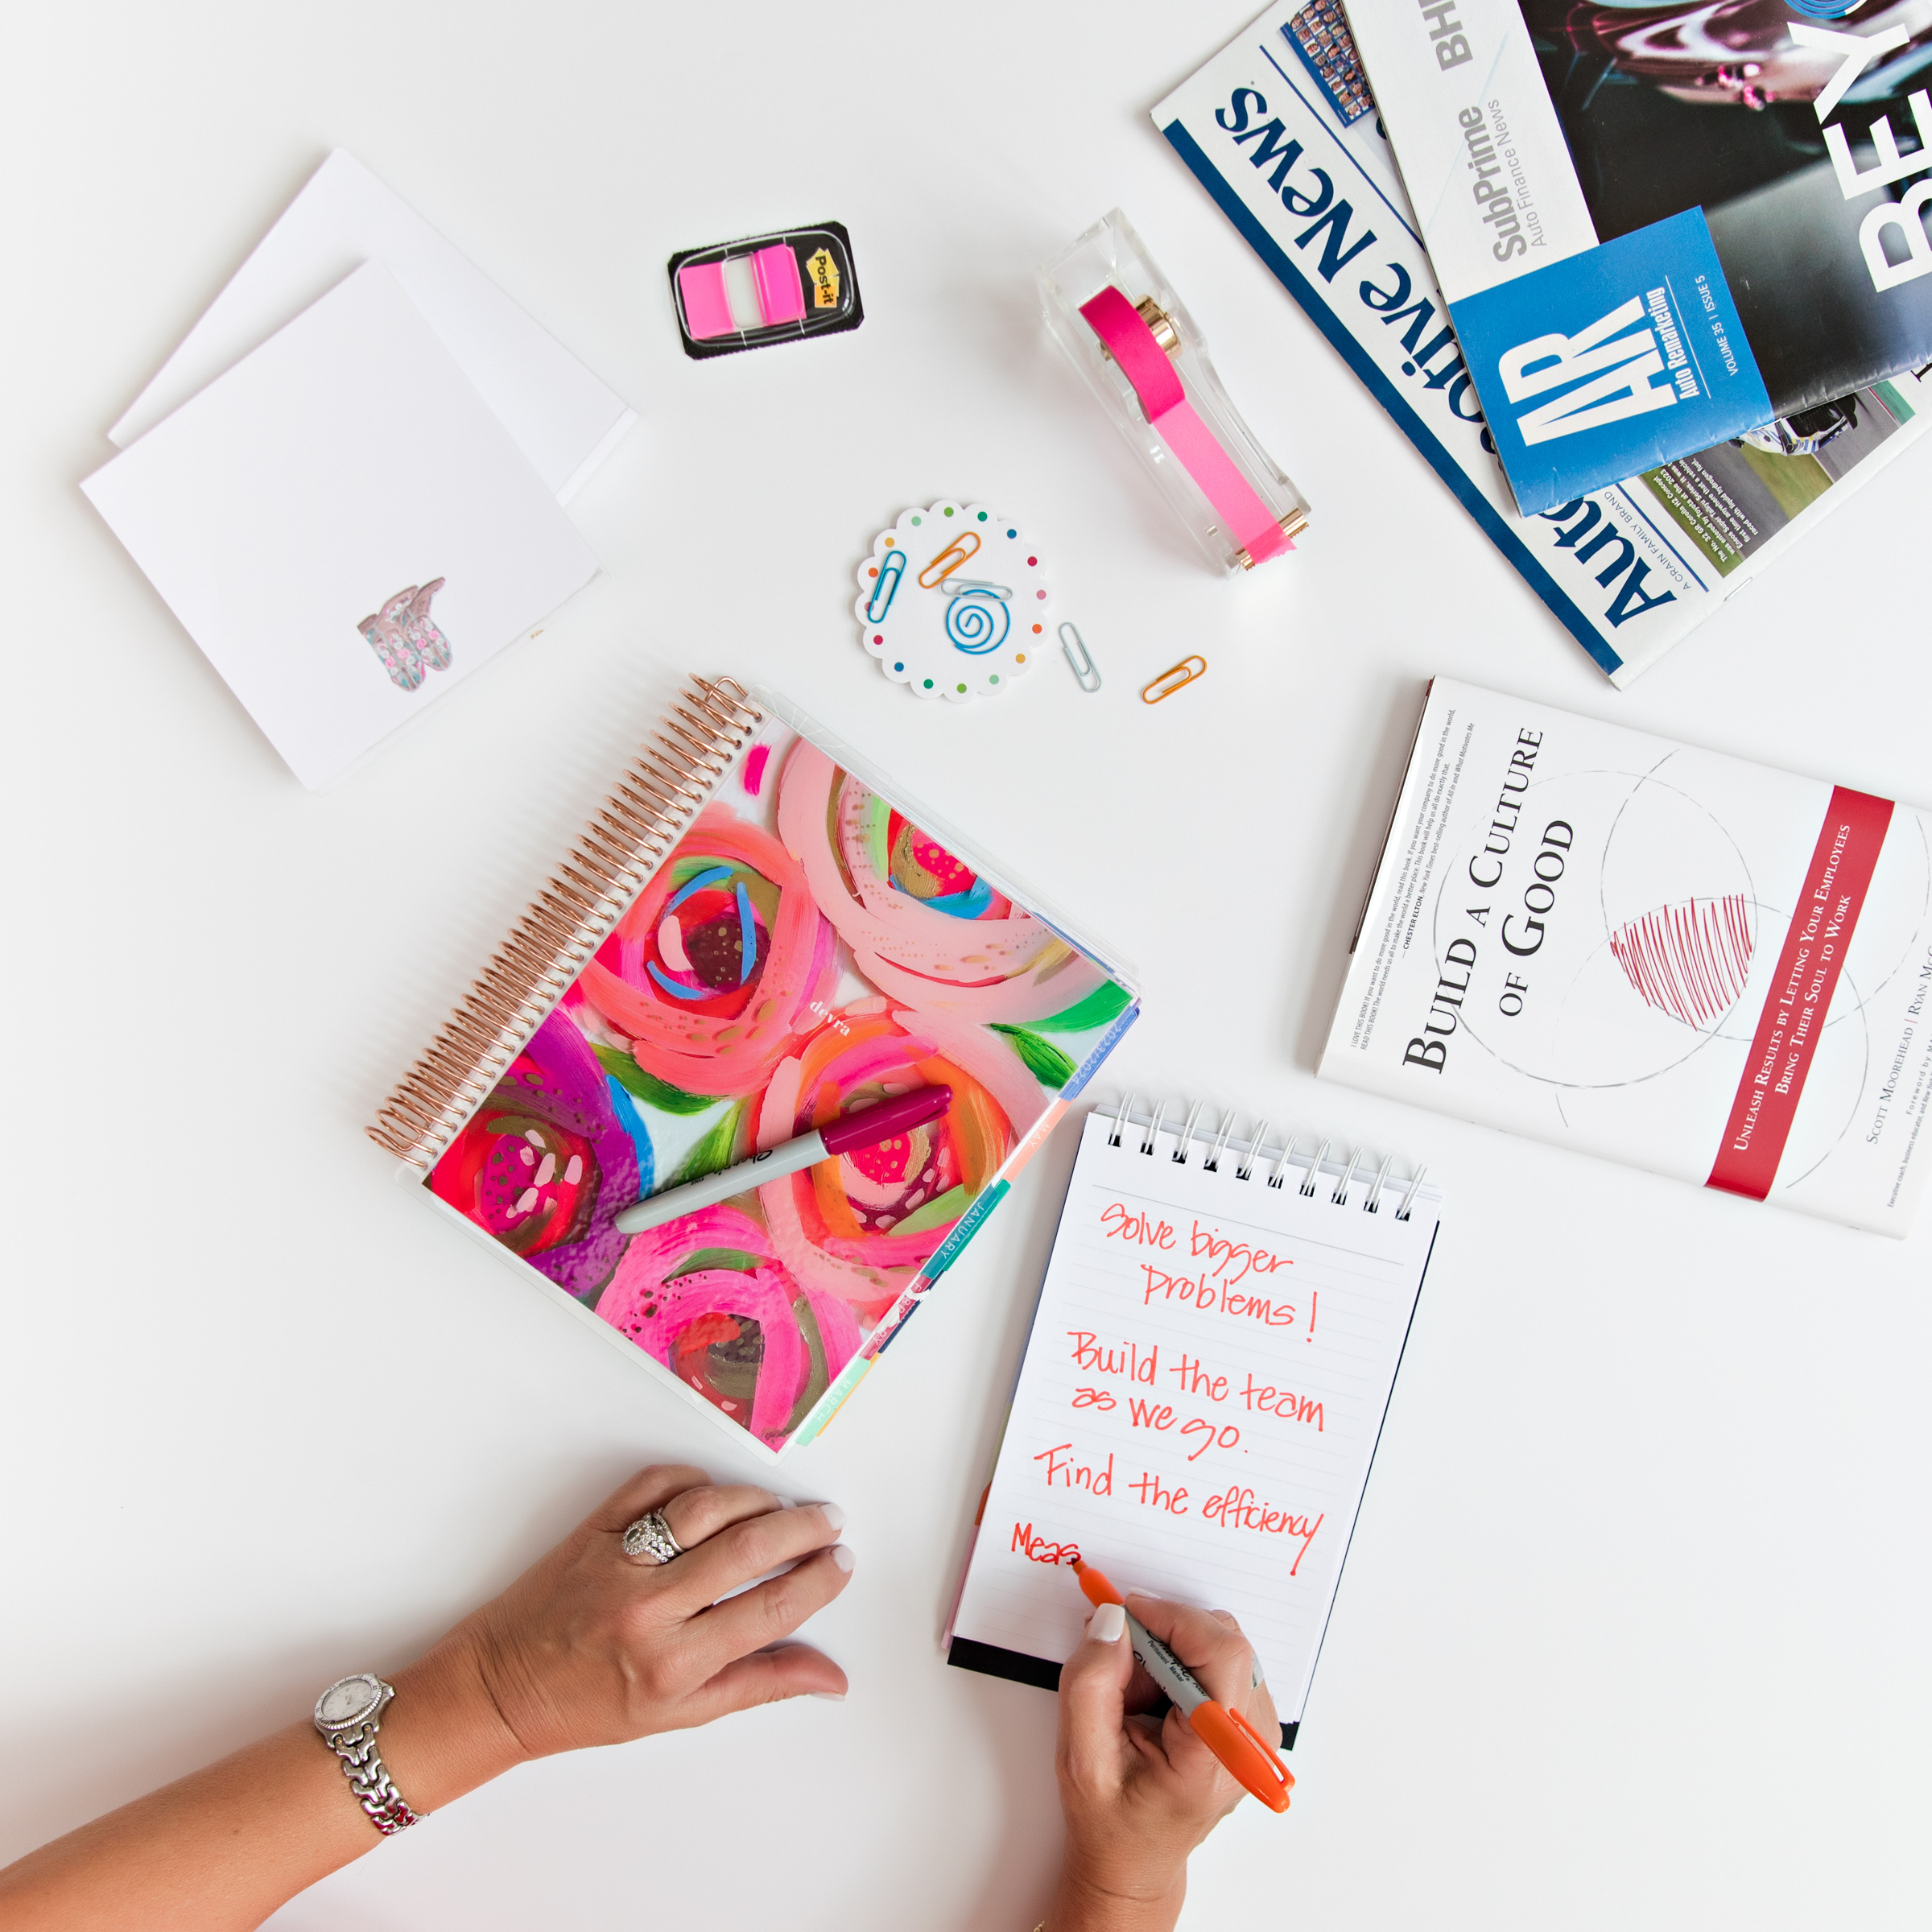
343, 1702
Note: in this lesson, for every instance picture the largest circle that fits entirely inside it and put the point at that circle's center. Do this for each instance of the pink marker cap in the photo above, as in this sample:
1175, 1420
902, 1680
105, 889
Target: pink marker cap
899, 1115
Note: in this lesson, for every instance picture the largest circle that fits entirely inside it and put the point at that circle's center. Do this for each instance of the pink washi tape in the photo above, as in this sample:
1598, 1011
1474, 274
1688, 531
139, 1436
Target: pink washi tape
1120, 325
1116, 314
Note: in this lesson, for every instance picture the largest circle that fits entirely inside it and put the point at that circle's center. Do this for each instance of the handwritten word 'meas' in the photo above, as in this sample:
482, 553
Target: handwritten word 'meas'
1037, 1549
1211, 1297
1236, 1508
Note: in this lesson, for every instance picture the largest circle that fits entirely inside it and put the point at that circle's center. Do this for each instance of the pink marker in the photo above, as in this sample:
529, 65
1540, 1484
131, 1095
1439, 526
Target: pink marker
866, 1128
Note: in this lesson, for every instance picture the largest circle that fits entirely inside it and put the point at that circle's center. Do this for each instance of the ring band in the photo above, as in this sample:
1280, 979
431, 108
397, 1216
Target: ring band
650, 1537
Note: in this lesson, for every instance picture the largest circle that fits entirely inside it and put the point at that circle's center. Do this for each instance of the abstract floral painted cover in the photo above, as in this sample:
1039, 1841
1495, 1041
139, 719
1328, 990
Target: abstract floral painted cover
806, 948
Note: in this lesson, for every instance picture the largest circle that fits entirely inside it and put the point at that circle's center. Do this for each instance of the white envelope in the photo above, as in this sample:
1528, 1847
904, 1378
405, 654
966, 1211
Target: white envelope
563, 420
285, 509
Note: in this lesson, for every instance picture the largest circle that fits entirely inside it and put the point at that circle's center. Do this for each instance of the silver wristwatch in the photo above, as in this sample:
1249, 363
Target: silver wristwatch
348, 1714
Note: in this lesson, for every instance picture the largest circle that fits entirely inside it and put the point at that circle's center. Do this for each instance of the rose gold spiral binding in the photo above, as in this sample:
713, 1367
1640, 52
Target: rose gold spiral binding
638, 823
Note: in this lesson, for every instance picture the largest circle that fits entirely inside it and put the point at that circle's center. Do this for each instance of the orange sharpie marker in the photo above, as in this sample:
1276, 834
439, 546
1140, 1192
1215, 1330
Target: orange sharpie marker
1248, 1758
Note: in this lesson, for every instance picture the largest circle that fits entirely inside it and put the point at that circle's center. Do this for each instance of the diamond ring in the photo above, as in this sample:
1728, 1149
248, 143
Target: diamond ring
649, 1538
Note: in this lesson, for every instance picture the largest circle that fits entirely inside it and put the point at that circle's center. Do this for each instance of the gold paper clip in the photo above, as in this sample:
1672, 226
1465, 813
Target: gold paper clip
1173, 677
965, 545
1078, 656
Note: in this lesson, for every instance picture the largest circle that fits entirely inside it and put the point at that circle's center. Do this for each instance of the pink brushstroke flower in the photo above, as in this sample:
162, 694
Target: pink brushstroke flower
544, 1166
705, 1295
713, 972
860, 1227
923, 927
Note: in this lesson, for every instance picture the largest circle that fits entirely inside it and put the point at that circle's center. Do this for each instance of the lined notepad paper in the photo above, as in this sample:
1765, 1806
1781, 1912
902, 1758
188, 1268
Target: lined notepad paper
1211, 1361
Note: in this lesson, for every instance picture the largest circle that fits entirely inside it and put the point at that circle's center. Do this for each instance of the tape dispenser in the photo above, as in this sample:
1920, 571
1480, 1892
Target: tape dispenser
1127, 331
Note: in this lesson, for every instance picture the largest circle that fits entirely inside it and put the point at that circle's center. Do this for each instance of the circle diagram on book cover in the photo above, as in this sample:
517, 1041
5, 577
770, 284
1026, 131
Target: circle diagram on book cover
952, 602
1639, 947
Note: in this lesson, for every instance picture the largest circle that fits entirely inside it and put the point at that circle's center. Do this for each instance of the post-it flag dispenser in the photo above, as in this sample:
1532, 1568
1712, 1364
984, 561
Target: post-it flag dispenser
1128, 332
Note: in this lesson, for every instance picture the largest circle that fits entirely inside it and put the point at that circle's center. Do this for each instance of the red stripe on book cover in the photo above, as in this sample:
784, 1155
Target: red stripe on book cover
1815, 945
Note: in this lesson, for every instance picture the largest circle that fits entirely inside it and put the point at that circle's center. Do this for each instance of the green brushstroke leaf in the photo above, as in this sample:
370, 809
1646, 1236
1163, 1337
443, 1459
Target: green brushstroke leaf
936, 1213
1104, 1003
717, 1257
878, 818
1043, 1060
818, 1378
712, 1153
647, 1086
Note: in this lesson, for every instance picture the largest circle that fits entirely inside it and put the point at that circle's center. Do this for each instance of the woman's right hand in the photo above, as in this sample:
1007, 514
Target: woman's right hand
592, 1646
1139, 1792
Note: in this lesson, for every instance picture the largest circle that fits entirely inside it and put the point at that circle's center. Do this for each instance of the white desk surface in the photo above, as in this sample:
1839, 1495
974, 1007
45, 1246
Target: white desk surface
1632, 1631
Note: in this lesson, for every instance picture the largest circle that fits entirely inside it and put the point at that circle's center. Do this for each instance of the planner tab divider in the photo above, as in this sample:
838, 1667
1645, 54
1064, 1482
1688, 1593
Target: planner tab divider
640, 820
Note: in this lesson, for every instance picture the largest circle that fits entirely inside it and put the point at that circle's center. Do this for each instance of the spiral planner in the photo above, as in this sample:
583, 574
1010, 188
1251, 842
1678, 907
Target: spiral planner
755, 937
1213, 1356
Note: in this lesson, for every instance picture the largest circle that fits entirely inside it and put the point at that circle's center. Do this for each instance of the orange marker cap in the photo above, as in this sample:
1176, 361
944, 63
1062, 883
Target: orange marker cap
1098, 1591
1245, 1755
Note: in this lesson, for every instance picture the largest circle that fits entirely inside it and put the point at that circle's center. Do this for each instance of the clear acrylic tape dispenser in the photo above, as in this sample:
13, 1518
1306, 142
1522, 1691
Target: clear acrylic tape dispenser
1126, 331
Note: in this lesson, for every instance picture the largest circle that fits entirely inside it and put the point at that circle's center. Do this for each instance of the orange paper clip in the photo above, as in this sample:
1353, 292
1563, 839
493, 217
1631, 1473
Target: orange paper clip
1173, 677
962, 547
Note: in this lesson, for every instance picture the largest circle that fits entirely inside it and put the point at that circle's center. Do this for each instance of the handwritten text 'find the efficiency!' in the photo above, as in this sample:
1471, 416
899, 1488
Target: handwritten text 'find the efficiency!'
1188, 1403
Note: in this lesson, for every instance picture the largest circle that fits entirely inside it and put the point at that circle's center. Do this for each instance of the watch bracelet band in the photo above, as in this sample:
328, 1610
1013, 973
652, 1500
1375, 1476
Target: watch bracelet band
369, 1777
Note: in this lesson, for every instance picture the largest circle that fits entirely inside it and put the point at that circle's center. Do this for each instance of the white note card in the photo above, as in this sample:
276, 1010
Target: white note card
1210, 1363
562, 417
343, 525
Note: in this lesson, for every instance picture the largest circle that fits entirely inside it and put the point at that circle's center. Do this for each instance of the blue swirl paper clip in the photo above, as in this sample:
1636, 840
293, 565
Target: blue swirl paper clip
886, 588
977, 622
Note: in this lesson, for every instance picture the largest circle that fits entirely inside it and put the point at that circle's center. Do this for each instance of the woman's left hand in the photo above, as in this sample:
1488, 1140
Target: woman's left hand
592, 1646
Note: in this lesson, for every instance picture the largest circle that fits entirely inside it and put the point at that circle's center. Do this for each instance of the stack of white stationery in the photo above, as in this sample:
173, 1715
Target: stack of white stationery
347, 482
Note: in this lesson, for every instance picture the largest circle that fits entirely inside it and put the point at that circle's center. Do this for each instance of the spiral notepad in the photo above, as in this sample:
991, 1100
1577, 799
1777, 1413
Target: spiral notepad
1212, 1355
754, 937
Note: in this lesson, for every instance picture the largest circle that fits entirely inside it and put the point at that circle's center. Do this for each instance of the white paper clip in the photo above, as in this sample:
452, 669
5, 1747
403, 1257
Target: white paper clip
1074, 645
954, 586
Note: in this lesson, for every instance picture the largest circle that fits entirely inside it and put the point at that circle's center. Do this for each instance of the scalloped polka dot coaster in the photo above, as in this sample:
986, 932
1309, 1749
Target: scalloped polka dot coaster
952, 602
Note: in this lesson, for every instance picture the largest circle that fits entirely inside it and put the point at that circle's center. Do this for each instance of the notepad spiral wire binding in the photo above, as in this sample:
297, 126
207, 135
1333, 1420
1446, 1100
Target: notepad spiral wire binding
1312, 1184
641, 819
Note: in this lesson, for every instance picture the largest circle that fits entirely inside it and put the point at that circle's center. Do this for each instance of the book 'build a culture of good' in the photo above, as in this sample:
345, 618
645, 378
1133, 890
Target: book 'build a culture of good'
1658, 226
1688, 962
1281, 131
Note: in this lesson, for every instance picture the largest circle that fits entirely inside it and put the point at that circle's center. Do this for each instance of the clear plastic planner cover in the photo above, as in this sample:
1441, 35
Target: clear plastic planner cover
815, 942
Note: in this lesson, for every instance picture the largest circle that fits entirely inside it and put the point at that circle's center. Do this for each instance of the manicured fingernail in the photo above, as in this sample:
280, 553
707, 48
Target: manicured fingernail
843, 1556
1107, 1625
828, 1697
834, 1515
1256, 1676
